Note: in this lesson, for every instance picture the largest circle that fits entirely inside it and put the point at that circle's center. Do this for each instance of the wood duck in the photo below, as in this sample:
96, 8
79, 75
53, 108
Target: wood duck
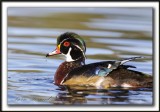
104, 74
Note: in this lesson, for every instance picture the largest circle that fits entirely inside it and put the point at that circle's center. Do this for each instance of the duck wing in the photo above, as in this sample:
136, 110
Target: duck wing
99, 68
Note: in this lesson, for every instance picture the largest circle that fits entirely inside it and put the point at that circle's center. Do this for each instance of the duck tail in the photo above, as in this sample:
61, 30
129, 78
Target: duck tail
129, 59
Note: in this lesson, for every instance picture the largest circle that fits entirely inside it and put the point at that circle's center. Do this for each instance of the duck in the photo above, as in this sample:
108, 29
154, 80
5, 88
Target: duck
106, 74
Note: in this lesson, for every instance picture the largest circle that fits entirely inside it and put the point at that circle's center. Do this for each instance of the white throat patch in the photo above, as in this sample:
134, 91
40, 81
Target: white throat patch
68, 56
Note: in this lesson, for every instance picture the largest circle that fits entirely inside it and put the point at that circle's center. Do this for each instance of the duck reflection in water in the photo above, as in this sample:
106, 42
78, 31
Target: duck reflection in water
81, 95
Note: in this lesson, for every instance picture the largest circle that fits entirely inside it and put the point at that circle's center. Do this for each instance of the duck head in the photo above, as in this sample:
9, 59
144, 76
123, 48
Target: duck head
70, 45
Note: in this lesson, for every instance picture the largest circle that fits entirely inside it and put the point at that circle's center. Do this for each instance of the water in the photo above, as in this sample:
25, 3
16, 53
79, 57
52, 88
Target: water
110, 34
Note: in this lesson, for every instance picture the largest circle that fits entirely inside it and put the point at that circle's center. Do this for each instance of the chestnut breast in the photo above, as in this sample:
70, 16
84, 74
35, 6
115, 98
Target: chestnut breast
64, 69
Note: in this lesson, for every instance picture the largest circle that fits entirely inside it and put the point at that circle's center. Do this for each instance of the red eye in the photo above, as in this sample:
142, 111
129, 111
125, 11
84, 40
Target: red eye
66, 44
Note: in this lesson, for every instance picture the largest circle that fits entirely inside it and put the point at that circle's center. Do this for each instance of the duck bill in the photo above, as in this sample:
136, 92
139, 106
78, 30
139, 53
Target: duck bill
56, 51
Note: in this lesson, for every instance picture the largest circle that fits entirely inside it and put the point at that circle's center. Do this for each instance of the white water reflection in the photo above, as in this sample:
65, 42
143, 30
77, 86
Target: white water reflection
33, 40
120, 26
93, 51
133, 49
124, 42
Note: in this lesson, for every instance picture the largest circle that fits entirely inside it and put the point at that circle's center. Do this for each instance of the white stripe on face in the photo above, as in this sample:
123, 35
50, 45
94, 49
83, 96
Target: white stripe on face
68, 56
